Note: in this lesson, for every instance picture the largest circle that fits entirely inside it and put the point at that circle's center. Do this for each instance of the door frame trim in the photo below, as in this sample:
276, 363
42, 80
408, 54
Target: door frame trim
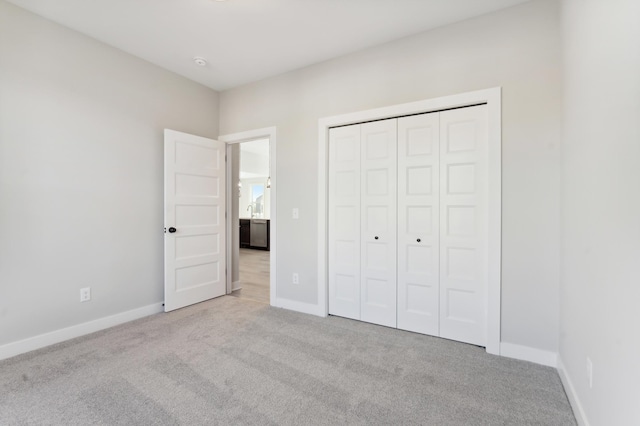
492, 98
235, 138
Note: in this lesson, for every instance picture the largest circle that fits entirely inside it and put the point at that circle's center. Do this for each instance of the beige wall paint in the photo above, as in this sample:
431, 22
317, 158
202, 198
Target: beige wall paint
81, 166
518, 49
600, 288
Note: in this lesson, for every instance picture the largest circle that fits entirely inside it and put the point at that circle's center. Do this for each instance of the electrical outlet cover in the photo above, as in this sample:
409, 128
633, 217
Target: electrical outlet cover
85, 294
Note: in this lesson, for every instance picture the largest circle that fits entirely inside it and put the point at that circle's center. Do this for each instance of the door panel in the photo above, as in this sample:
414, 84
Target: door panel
418, 222
463, 228
194, 206
378, 218
408, 223
344, 221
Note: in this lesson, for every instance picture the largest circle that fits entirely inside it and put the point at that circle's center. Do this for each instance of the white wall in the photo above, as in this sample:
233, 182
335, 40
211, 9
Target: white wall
518, 49
600, 290
81, 165
253, 164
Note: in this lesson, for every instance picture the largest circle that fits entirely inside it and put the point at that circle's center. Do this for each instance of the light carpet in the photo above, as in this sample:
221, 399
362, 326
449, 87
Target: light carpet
231, 361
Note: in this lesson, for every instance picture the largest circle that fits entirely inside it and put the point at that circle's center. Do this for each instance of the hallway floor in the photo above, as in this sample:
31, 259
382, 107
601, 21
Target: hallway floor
254, 275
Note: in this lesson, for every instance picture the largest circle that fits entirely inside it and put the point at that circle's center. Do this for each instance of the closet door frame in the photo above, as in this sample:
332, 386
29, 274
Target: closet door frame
492, 98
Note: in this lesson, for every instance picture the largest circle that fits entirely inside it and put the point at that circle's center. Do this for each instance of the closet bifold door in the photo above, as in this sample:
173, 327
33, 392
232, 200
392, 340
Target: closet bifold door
464, 224
418, 223
344, 221
378, 156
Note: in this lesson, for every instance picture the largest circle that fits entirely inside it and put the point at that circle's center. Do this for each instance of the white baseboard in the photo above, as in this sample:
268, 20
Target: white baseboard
305, 308
235, 286
526, 353
57, 336
510, 350
570, 390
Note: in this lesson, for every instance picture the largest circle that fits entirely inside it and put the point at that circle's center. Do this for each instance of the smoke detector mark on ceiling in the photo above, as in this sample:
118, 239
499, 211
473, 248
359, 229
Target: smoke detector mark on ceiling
200, 61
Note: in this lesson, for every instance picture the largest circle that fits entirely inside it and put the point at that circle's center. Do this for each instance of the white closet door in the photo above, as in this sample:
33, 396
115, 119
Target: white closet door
344, 221
418, 223
378, 216
463, 227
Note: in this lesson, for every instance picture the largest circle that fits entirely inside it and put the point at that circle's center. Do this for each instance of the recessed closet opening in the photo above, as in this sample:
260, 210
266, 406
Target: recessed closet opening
411, 203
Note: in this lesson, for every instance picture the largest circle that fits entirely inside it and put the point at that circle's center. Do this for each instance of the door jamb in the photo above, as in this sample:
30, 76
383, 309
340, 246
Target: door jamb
234, 138
492, 97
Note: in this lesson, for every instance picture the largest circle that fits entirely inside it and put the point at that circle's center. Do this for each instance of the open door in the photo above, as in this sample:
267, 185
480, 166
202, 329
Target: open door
194, 219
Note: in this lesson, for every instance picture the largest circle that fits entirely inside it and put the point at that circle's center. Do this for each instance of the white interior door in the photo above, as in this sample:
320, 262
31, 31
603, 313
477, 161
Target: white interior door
378, 216
194, 189
418, 223
463, 224
344, 221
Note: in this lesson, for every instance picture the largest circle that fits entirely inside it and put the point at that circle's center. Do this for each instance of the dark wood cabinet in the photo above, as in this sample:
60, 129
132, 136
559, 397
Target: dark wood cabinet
245, 233
261, 241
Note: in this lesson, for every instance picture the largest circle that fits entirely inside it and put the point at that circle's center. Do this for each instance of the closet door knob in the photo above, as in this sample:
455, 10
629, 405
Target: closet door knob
418, 240
376, 237
172, 230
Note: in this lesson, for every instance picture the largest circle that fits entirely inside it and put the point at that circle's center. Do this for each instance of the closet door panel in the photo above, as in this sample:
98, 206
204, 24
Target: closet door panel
418, 223
378, 217
463, 227
344, 221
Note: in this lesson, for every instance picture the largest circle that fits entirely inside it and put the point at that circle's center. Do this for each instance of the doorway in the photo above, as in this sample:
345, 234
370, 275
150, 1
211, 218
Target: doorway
251, 279
251, 214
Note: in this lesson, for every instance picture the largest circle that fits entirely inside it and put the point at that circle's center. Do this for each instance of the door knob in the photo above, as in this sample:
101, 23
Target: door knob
172, 230
418, 240
376, 237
